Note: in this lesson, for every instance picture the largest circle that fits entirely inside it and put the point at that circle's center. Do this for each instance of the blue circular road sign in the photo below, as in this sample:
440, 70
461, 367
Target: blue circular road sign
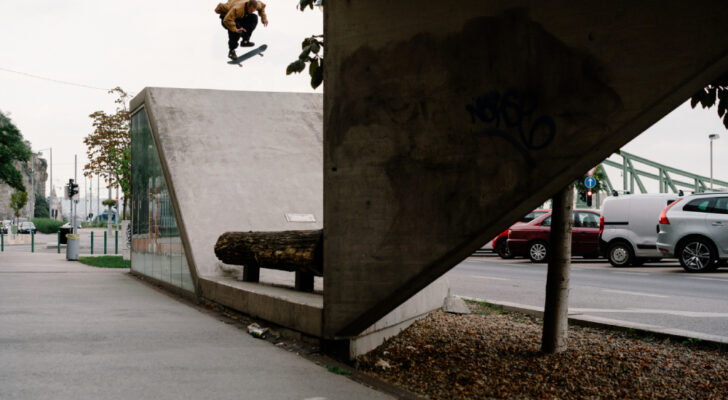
590, 182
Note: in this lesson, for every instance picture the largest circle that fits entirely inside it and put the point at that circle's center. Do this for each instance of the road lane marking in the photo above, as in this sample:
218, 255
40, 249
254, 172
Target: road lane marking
707, 279
631, 273
634, 293
488, 277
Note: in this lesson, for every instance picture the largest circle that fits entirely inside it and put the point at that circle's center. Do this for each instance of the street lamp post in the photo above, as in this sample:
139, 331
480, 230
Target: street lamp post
712, 137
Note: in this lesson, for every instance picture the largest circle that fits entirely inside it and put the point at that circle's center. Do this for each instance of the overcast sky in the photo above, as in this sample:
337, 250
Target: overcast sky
180, 43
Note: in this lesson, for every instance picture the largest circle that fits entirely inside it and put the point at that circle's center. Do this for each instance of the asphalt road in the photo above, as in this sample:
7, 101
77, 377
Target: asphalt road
659, 294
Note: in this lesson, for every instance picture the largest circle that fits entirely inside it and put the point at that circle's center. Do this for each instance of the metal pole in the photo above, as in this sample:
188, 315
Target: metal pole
59, 242
105, 235
98, 196
92, 242
32, 241
73, 203
108, 223
711, 164
50, 190
31, 206
2, 240
116, 242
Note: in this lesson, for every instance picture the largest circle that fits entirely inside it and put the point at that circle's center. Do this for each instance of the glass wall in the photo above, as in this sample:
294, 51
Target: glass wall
156, 245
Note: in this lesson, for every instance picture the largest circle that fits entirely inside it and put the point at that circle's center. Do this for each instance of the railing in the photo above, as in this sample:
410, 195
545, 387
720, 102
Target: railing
668, 178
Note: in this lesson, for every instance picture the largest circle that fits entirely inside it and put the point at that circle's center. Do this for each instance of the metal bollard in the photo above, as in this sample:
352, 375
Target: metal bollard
92, 242
59, 242
2, 241
116, 242
32, 241
105, 241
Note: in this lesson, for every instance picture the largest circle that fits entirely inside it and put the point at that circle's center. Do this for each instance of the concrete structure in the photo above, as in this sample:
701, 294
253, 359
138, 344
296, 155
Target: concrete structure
205, 162
444, 123
39, 171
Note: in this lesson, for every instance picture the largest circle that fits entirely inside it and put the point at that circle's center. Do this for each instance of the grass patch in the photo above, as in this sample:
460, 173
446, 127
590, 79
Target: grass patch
338, 370
106, 261
47, 225
486, 308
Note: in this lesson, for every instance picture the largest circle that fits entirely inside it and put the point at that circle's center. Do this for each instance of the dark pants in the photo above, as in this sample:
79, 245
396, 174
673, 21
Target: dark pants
248, 22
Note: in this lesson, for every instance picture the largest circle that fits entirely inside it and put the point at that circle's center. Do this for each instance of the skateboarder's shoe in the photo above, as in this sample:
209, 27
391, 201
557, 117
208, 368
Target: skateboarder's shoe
232, 55
247, 43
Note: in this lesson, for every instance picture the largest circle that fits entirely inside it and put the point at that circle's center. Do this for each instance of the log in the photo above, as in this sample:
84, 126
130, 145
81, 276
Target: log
299, 251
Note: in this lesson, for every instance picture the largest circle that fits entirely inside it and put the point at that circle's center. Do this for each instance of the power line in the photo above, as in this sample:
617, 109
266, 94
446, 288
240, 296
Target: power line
53, 80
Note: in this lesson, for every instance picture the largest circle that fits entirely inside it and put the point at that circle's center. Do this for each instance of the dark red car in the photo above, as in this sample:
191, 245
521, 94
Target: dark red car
532, 239
499, 243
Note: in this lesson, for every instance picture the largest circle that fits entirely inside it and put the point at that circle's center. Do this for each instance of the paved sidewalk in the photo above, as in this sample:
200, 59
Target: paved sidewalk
68, 331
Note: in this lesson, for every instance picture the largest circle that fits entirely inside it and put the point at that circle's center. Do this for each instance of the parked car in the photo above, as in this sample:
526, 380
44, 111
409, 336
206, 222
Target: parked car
26, 227
532, 239
627, 228
5, 226
499, 243
695, 230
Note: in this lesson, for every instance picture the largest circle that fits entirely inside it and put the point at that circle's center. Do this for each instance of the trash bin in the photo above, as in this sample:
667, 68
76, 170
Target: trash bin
74, 243
64, 230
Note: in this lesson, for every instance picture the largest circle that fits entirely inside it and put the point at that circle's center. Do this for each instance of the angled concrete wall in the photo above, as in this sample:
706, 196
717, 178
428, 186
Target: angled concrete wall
237, 161
445, 122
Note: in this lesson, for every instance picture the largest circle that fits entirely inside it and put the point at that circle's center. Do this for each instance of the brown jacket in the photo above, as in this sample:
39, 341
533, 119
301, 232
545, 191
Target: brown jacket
234, 9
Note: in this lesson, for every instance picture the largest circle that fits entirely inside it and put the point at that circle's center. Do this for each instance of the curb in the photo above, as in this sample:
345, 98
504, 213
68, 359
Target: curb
599, 322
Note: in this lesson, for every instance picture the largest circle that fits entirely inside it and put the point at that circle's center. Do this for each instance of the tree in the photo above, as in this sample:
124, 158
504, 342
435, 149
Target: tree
12, 148
41, 207
310, 47
109, 146
716, 93
18, 201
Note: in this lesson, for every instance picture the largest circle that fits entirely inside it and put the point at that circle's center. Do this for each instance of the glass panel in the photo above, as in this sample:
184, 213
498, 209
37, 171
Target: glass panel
698, 205
157, 249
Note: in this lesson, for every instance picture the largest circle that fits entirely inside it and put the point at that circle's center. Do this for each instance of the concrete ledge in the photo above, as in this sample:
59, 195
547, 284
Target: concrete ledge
286, 307
418, 306
599, 322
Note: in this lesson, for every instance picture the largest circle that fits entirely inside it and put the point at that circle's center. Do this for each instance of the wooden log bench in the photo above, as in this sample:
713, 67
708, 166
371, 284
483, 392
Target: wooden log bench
296, 251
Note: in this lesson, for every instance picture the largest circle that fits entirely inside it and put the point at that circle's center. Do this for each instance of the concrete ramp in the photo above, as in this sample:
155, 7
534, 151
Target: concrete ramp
237, 161
445, 122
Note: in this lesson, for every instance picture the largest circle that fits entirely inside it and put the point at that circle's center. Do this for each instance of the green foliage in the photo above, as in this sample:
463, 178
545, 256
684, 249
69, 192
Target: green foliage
598, 175
310, 49
41, 208
106, 261
338, 370
716, 93
12, 148
17, 202
47, 225
109, 202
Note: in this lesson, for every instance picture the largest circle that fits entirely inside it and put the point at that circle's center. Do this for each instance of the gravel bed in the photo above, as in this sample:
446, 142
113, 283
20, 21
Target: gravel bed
496, 354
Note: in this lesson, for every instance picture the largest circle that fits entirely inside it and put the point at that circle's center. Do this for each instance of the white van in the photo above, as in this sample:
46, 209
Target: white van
628, 234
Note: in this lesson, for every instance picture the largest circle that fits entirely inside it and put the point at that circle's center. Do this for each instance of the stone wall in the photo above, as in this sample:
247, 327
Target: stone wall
40, 170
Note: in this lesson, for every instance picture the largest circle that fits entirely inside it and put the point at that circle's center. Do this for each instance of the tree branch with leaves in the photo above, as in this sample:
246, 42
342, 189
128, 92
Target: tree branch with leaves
716, 93
109, 146
311, 51
12, 148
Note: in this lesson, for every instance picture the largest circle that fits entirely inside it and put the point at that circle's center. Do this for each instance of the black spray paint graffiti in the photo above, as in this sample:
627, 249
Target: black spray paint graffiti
512, 112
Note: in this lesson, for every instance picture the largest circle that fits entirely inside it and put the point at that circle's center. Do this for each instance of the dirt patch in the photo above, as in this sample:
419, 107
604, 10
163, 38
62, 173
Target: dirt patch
496, 354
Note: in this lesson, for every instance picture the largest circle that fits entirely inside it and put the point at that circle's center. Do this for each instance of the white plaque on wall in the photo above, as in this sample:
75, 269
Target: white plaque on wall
300, 217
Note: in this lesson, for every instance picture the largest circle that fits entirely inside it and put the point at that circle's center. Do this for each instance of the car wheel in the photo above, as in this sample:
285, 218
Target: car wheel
620, 254
697, 255
502, 249
538, 251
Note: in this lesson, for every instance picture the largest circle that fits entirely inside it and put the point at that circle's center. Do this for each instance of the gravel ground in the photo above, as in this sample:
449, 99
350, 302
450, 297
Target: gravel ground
495, 354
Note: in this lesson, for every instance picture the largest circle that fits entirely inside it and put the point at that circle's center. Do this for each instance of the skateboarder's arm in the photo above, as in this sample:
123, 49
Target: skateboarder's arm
261, 11
234, 13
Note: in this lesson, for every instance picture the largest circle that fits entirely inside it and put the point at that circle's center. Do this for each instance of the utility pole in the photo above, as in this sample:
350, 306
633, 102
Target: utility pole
108, 216
31, 206
73, 202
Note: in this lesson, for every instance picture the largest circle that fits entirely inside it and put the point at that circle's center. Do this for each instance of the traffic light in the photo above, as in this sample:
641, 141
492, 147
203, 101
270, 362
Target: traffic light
582, 196
72, 188
589, 198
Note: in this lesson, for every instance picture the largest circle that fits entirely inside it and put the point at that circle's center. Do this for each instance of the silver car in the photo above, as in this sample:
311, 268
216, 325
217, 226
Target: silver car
695, 230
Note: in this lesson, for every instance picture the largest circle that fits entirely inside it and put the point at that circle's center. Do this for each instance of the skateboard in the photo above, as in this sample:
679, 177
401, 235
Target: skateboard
257, 51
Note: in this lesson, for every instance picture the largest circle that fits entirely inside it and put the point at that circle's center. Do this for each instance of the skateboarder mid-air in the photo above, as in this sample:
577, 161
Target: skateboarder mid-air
238, 17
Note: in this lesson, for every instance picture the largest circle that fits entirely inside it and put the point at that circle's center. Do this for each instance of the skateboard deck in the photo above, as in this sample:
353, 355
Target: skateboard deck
257, 51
